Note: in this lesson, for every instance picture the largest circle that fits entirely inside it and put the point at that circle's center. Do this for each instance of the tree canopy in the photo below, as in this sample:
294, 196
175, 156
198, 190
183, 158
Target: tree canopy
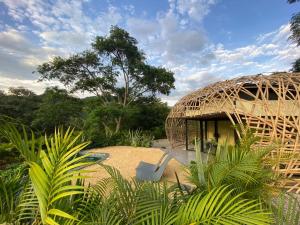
20, 91
296, 66
114, 66
295, 34
295, 28
57, 108
114, 69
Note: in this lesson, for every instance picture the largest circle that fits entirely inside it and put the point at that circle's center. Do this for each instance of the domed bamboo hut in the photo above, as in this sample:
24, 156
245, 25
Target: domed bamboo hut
269, 105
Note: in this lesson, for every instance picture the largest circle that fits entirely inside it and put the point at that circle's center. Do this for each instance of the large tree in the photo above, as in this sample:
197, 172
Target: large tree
114, 69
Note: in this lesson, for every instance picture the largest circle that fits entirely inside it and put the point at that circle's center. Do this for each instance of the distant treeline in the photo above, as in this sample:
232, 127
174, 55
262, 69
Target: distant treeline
56, 107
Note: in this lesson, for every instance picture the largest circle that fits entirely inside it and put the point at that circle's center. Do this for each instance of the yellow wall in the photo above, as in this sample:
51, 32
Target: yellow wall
225, 130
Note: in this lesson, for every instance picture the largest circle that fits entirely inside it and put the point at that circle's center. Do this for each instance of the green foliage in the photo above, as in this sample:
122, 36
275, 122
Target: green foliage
295, 28
150, 115
295, 34
292, 1
286, 209
296, 66
20, 91
131, 202
241, 166
51, 191
103, 118
147, 115
19, 106
28, 147
52, 177
11, 184
138, 138
219, 206
8, 155
57, 108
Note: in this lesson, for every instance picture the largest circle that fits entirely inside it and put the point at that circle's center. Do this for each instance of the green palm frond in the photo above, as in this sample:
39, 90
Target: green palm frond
10, 187
52, 178
137, 202
97, 205
124, 191
286, 209
28, 147
241, 166
28, 207
156, 204
219, 206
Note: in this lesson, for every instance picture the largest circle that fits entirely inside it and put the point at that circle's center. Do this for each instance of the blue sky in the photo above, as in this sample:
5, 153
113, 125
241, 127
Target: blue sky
201, 41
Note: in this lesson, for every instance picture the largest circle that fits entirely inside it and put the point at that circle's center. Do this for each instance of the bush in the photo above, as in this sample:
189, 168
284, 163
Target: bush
133, 138
8, 155
139, 138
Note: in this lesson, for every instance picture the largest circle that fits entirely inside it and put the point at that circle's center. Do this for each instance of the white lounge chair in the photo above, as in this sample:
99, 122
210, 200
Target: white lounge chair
152, 172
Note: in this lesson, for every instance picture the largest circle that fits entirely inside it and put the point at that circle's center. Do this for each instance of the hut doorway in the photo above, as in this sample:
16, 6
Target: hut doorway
210, 133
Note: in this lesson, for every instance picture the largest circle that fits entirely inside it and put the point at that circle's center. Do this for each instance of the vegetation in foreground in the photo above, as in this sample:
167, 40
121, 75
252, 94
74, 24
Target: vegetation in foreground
49, 188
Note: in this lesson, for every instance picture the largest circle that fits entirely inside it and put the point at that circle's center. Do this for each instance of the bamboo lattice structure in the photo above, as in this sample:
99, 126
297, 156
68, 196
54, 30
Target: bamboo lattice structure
269, 105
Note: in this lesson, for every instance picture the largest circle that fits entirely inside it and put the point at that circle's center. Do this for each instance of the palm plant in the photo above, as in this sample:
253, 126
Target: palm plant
11, 184
242, 167
286, 209
52, 173
119, 201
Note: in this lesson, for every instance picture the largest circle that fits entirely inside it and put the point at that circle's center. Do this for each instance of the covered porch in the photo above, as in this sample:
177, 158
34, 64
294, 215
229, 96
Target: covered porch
210, 131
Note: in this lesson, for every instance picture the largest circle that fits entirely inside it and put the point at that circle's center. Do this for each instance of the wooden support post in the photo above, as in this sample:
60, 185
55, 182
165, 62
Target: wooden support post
186, 136
202, 136
216, 131
205, 130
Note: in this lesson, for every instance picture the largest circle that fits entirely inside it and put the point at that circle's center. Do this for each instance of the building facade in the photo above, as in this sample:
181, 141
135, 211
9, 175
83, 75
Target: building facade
268, 105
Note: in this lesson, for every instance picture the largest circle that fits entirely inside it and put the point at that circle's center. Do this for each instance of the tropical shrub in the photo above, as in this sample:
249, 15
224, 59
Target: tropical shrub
138, 138
244, 167
12, 181
286, 209
132, 202
49, 195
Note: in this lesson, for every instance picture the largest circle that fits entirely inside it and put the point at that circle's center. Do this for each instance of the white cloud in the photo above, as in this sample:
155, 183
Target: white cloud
37, 87
271, 52
59, 28
142, 28
167, 42
174, 38
195, 9
19, 56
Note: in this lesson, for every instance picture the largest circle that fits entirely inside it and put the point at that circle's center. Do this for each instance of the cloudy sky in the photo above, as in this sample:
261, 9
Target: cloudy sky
201, 41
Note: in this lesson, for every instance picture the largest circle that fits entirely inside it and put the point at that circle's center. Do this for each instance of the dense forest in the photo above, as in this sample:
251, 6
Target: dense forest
57, 107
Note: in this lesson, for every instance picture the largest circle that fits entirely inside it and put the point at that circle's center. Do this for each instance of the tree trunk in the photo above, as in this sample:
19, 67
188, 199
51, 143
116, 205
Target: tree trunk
118, 124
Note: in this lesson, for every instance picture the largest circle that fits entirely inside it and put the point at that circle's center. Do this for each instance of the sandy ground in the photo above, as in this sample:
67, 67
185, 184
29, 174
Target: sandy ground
126, 159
